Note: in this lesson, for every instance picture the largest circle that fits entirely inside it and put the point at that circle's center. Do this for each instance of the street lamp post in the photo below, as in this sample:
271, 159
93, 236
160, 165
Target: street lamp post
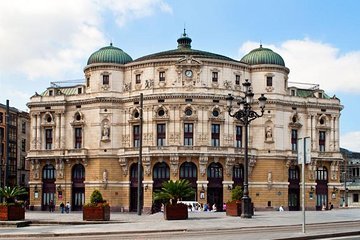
245, 115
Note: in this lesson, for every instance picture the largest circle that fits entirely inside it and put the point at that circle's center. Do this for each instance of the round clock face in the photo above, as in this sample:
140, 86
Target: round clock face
188, 73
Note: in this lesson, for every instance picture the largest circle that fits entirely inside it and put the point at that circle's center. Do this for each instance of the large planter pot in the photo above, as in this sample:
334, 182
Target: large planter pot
233, 208
96, 213
176, 212
12, 213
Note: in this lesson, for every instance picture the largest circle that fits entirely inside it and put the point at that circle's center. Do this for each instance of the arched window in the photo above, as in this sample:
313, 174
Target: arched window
78, 172
188, 170
238, 172
215, 170
321, 174
161, 171
294, 173
48, 172
134, 171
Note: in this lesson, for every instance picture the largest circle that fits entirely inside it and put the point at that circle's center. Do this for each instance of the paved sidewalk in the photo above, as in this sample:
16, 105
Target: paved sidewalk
46, 224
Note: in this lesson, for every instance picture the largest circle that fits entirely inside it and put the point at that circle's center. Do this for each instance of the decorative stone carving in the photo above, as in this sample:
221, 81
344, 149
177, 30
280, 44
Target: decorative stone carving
105, 178
105, 133
203, 163
59, 168
312, 169
127, 87
334, 168
228, 84
35, 167
174, 163
230, 161
124, 165
252, 162
147, 165
291, 162
269, 180
149, 84
268, 134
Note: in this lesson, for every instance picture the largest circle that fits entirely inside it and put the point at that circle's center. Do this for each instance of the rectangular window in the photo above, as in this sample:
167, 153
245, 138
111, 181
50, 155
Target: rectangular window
294, 136
161, 134
23, 145
51, 92
2, 136
136, 133
23, 127
1, 117
322, 141
237, 80
238, 136
88, 82
215, 135
79, 90
78, 137
137, 79
105, 79
188, 134
293, 93
161, 76
356, 197
48, 139
269, 81
215, 77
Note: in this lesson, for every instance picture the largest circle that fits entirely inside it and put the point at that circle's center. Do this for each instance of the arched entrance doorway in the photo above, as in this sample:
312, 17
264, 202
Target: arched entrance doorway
134, 187
188, 171
48, 188
238, 175
78, 187
294, 188
161, 173
321, 187
215, 187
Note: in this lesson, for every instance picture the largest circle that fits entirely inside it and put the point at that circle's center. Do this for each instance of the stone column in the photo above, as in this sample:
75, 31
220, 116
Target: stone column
33, 130
336, 133
38, 132
62, 130
313, 132
57, 131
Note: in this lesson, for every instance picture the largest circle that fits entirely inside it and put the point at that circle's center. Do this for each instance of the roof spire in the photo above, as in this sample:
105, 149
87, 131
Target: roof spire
260, 44
184, 42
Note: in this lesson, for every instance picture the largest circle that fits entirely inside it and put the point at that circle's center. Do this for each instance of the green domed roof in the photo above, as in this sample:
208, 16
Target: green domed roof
263, 56
109, 54
184, 49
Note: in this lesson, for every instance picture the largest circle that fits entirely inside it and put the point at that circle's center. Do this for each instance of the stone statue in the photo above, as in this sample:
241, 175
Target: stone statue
268, 133
105, 132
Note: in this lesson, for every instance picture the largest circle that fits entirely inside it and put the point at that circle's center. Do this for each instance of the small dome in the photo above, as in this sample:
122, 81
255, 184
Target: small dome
263, 56
109, 54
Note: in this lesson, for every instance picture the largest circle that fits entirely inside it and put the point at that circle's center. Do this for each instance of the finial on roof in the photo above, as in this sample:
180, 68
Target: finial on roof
260, 44
110, 43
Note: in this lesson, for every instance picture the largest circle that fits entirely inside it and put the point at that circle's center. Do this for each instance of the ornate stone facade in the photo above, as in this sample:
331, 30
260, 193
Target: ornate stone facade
186, 131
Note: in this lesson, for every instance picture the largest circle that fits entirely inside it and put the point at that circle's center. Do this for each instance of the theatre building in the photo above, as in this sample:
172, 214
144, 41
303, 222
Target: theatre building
86, 135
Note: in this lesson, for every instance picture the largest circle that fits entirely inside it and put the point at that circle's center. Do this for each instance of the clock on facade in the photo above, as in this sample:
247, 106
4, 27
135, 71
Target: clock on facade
188, 73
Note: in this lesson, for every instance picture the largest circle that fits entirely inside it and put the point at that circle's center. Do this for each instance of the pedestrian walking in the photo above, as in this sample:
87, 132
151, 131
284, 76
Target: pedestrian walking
51, 206
67, 207
62, 207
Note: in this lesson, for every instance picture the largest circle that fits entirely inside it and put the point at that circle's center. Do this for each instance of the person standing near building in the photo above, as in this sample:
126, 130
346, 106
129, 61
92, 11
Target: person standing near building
62, 207
67, 207
51, 206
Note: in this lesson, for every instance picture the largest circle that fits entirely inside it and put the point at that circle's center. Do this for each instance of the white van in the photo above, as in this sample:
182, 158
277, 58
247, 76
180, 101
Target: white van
194, 205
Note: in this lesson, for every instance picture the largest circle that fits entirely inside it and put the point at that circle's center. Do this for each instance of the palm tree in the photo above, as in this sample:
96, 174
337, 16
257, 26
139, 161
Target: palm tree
10, 193
172, 191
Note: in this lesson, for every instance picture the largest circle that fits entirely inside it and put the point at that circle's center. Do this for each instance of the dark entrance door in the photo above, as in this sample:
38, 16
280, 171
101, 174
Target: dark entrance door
294, 189
215, 187
321, 188
161, 173
134, 188
188, 171
48, 188
78, 187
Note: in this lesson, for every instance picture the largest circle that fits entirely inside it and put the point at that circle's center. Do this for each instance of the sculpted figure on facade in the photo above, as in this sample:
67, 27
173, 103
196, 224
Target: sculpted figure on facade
229, 165
35, 167
174, 164
105, 131
59, 168
268, 133
203, 163
334, 168
124, 165
105, 178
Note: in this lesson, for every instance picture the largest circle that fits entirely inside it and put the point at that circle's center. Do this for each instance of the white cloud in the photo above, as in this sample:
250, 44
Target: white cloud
45, 38
351, 141
317, 63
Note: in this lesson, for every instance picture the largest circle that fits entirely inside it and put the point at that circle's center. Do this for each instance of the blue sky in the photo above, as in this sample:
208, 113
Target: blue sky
43, 41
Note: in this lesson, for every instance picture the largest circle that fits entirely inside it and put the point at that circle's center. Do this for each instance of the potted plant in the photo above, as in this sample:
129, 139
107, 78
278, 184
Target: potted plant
233, 207
98, 209
10, 209
170, 193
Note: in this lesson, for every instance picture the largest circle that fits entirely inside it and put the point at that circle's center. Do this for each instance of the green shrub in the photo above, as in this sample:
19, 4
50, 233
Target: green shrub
10, 193
96, 197
236, 193
172, 191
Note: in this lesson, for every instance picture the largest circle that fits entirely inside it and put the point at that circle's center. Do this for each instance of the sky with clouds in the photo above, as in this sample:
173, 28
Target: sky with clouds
43, 41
